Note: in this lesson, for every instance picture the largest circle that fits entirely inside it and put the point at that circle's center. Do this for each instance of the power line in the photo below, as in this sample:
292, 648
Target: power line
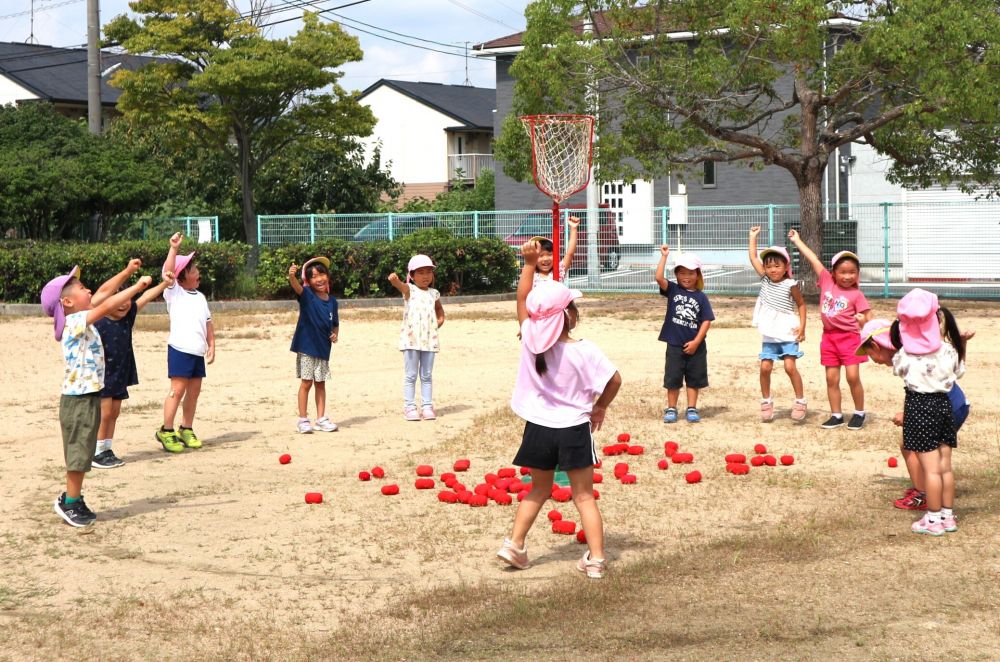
29, 12
480, 14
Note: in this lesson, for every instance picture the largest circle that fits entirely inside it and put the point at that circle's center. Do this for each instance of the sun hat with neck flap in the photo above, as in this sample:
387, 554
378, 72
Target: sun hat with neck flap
52, 300
919, 328
546, 305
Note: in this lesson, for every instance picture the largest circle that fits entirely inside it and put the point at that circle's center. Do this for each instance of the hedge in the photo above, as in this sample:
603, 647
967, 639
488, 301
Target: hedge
464, 265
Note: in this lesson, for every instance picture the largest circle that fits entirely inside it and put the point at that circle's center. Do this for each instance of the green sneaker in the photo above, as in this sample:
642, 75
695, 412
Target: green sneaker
188, 438
169, 440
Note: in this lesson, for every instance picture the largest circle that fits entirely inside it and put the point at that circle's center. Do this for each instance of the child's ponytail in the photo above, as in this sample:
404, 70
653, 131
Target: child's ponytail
894, 337
540, 365
952, 332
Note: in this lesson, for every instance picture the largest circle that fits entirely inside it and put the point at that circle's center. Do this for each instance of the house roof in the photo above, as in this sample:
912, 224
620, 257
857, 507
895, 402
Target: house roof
60, 74
472, 106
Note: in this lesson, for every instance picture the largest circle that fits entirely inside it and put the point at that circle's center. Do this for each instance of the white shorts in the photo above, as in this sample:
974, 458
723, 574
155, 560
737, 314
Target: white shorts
311, 368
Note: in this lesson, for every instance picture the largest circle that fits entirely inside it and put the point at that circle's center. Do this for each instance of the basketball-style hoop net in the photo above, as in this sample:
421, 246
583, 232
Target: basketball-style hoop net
560, 161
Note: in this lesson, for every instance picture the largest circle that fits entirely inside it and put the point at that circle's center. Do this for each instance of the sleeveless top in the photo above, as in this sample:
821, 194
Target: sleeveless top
776, 314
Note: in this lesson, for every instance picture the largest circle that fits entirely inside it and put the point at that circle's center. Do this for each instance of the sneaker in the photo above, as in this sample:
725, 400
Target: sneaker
168, 439
517, 558
833, 422
76, 514
670, 415
591, 567
410, 414
798, 411
692, 415
105, 460
767, 411
950, 524
304, 426
857, 422
324, 424
189, 438
924, 525
429, 414
912, 499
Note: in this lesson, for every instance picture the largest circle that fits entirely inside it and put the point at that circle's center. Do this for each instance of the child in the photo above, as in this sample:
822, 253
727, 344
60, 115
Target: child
842, 306
119, 361
563, 390
318, 327
877, 344
689, 315
423, 315
543, 270
190, 346
929, 369
74, 311
780, 316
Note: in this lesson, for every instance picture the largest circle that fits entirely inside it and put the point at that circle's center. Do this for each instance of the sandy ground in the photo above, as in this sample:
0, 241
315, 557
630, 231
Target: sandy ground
228, 526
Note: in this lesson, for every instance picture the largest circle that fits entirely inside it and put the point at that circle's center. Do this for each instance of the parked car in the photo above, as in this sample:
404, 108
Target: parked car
379, 230
608, 248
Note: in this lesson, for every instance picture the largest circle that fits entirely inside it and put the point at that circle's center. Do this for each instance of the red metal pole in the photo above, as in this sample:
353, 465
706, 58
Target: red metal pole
555, 241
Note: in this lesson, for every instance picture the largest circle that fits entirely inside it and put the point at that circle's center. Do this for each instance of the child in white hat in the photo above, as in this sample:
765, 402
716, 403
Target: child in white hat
317, 328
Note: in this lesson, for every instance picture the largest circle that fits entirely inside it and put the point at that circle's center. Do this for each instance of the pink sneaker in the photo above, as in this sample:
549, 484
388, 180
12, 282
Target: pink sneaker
517, 558
912, 499
410, 414
593, 568
950, 524
924, 525
767, 411
798, 411
429, 414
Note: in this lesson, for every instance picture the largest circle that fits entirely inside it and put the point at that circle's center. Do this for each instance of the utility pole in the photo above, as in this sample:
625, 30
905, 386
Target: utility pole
93, 67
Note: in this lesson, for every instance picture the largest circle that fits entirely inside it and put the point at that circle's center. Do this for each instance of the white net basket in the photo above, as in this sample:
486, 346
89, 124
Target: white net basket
561, 152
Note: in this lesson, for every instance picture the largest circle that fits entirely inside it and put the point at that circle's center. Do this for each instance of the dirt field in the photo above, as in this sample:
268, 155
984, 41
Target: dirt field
213, 554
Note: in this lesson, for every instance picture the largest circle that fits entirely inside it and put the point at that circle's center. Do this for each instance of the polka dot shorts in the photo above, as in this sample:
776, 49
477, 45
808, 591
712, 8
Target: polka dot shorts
927, 422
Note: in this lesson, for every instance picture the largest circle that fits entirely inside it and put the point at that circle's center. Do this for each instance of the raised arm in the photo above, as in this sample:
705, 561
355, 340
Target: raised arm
293, 279
529, 251
175, 243
152, 293
117, 299
404, 288
574, 226
113, 284
661, 278
755, 262
807, 253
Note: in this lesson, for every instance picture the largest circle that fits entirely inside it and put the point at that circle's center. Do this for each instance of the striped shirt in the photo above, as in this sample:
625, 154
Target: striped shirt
776, 313
778, 296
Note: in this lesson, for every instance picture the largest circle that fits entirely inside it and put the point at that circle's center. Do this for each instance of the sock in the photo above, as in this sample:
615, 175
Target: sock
947, 513
765, 401
107, 444
301, 419
933, 516
166, 429
801, 401
99, 448
184, 428
836, 414
859, 412
70, 500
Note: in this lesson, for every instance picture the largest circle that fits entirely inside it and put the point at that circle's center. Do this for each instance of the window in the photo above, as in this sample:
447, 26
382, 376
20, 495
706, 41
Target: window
708, 176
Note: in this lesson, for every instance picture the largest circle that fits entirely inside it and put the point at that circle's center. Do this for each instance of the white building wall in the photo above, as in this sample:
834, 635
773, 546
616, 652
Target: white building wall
412, 135
11, 92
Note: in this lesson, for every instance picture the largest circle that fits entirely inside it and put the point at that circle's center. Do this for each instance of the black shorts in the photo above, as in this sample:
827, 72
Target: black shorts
547, 448
927, 422
682, 369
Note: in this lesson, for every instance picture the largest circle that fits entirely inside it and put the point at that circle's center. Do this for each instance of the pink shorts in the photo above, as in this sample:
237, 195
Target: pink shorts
837, 348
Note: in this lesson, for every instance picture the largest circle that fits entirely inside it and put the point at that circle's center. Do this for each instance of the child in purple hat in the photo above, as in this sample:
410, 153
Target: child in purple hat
74, 310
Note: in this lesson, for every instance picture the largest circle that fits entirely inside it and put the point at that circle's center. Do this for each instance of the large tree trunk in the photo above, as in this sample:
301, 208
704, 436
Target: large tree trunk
247, 203
811, 221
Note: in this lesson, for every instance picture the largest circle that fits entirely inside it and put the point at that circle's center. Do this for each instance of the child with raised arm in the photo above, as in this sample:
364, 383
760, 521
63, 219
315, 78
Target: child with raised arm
842, 306
317, 329
423, 315
543, 270
563, 389
119, 360
190, 346
689, 316
780, 316
74, 310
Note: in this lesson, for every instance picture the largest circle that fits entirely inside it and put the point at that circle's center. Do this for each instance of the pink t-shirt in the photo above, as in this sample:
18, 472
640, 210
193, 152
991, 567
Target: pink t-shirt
838, 306
576, 375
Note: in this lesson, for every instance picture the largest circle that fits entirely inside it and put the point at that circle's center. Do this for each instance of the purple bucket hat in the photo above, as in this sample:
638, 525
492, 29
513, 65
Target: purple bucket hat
52, 300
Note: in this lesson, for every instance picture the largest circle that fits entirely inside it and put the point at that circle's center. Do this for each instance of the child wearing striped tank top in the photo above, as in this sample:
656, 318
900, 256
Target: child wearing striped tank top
780, 315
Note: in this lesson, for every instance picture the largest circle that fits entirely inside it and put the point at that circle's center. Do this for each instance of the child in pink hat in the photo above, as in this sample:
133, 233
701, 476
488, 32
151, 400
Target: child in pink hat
780, 316
74, 310
423, 315
563, 389
930, 368
842, 306
544, 268
190, 346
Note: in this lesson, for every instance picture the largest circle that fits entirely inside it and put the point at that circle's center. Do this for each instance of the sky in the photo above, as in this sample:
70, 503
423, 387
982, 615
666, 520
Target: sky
450, 23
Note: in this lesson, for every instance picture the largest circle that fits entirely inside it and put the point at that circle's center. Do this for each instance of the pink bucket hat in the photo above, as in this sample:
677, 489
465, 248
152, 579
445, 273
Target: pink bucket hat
841, 255
416, 262
877, 330
325, 261
692, 262
919, 328
180, 263
546, 304
52, 300
781, 252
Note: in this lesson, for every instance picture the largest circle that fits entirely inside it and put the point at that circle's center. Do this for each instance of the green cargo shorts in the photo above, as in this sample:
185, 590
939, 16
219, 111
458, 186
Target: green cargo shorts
79, 418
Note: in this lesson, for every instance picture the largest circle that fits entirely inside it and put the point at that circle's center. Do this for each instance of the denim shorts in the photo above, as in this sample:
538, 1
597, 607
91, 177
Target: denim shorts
775, 351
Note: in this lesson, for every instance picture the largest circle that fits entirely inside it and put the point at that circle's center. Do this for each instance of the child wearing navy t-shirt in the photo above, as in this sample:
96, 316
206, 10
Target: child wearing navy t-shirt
689, 315
318, 327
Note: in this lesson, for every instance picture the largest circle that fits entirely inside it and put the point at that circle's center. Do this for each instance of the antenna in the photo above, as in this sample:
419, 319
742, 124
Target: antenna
31, 37
467, 81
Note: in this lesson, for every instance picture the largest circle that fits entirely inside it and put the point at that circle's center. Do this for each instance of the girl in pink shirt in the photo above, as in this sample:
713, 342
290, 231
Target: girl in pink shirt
563, 390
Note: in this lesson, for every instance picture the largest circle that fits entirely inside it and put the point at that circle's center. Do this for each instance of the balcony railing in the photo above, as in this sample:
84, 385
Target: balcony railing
468, 166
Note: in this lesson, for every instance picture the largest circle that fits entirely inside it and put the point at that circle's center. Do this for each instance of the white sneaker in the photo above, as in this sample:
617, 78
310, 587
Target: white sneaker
304, 426
325, 424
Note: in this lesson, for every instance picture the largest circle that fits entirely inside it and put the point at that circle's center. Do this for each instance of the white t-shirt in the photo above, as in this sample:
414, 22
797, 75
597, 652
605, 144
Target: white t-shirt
189, 318
929, 373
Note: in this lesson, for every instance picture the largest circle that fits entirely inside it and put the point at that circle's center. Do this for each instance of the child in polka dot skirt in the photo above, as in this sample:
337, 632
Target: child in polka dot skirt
929, 368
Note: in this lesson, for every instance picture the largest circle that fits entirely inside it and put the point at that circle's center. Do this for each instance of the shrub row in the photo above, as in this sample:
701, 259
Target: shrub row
464, 265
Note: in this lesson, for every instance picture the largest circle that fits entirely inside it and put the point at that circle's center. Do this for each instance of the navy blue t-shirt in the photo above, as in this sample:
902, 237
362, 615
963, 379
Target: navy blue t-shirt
317, 320
686, 310
119, 360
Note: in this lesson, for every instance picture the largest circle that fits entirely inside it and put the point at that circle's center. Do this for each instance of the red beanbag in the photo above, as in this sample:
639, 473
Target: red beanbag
447, 476
738, 469
770, 460
737, 458
554, 515
663, 464
624, 437
458, 487
515, 487
636, 450
683, 458
628, 479
503, 499
521, 495
621, 469
446, 496
425, 470
564, 527
525, 471
285, 459
788, 460
757, 460
597, 465
491, 478
502, 483
893, 463
597, 495
563, 494
506, 472
598, 478
760, 449
424, 483
670, 448
478, 500
464, 496
314, 497
389, 490
378, 472
581, 537
461, 465
693, 477
364, 475
482, 489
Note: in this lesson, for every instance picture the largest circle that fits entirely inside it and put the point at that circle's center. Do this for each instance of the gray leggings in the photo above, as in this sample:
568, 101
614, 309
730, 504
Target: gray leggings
417, 363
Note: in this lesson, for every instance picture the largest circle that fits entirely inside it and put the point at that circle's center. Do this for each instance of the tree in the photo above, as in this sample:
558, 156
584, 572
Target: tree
769, 83
231, 89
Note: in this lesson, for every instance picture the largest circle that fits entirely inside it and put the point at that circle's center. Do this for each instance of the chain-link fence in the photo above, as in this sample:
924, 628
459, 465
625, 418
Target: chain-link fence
952, 248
